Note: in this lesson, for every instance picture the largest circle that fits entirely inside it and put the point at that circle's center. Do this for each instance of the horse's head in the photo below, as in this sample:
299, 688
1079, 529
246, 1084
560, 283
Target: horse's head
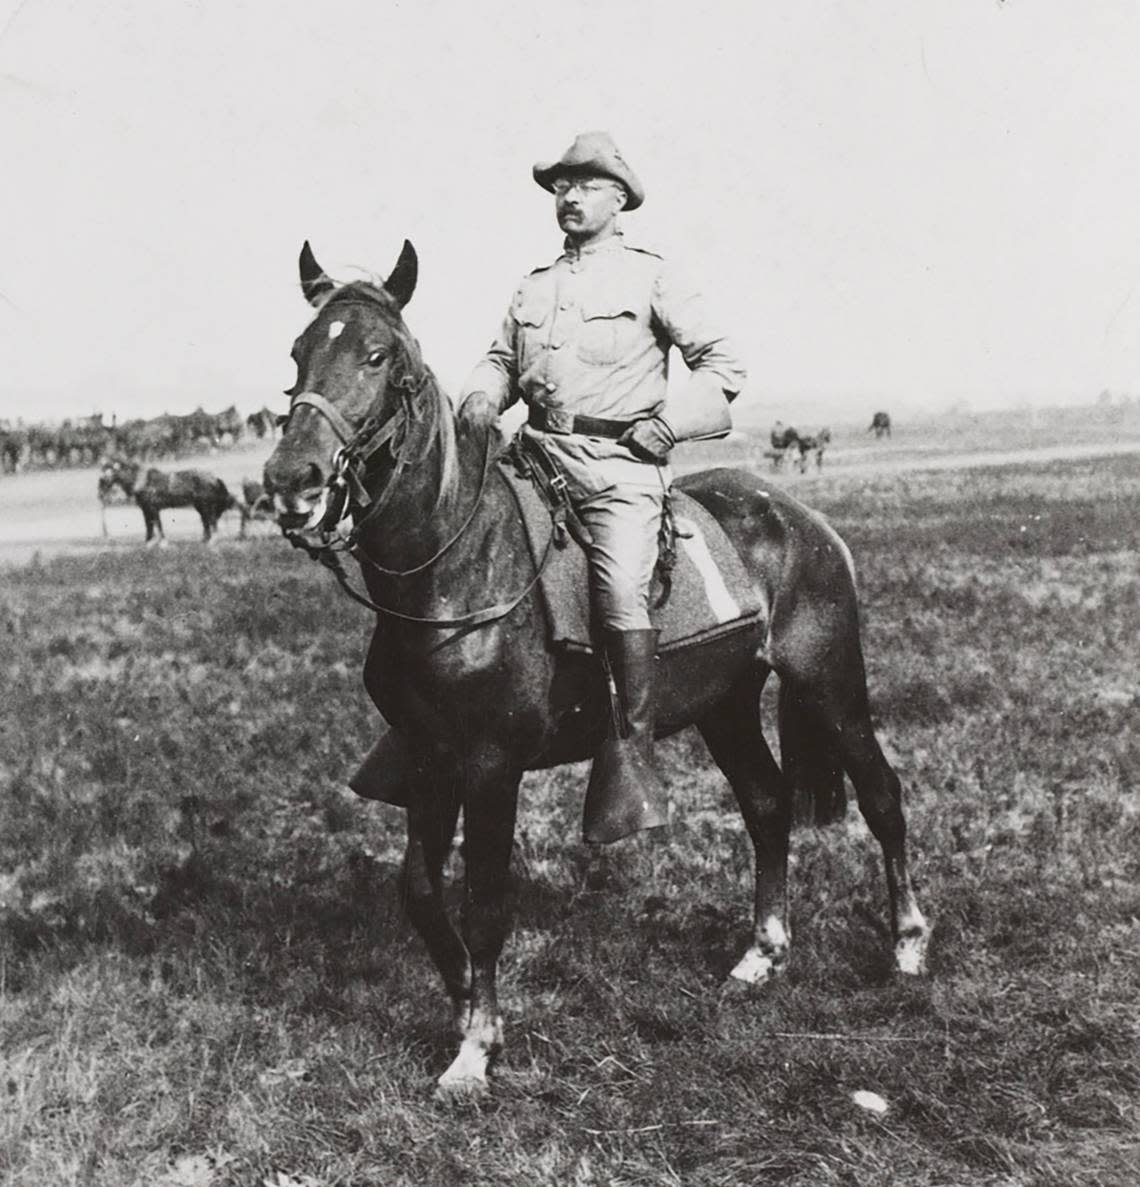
117, 472
356, 365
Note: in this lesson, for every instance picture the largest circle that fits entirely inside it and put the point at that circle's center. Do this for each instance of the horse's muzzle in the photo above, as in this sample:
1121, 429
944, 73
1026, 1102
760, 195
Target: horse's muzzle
298, 512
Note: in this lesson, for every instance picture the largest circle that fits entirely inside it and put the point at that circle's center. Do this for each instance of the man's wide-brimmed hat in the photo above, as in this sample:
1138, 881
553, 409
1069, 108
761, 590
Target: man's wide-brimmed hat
592, 153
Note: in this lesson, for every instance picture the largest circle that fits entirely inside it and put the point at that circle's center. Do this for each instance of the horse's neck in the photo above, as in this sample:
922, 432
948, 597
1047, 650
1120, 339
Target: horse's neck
446, 504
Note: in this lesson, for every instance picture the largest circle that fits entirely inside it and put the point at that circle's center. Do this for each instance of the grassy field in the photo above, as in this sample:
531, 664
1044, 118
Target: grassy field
205, 978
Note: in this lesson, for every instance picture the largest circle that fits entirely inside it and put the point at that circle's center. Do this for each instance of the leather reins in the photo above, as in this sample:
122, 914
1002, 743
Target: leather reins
347, 490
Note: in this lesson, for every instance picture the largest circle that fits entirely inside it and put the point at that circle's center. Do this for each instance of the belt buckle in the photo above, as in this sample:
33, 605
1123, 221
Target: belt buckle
558, 420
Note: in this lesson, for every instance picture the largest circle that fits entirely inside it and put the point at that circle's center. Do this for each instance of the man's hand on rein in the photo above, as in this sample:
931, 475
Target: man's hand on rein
650, 439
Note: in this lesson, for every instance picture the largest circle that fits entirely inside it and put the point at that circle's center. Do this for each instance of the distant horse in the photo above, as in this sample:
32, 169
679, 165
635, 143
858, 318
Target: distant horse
372, 460
880, 424
155, 491
782, 440
262, 423
13, 444
255, 503
814, 444
229, 426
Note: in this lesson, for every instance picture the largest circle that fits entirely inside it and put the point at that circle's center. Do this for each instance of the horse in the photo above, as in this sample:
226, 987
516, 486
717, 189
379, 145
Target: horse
13, 445
373, 460
155, 491
880, 424
229, 426
782, 440
262, 423
816, 444
255, 503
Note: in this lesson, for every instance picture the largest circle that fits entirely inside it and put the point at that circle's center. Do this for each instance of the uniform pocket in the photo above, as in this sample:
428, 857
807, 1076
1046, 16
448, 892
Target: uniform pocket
531, 310
532, 313
609, 331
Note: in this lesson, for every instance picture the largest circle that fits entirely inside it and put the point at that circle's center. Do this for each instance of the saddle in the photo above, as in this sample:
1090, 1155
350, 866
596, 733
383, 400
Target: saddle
701, 590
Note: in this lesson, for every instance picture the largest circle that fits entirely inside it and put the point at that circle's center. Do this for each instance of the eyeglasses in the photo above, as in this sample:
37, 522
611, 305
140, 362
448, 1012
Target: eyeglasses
563, 185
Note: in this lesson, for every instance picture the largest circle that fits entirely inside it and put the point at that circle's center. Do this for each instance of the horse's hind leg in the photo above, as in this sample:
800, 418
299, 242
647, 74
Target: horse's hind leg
737, 743
879, 794
834, 716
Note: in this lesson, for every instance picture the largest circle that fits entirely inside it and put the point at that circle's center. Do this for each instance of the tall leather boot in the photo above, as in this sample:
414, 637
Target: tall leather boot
626, 793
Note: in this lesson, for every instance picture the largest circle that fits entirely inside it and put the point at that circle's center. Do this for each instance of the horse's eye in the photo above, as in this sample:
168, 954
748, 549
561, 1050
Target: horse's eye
375, 358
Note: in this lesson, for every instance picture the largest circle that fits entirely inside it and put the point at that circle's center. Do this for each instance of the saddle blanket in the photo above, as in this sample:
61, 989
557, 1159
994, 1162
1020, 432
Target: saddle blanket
711, 592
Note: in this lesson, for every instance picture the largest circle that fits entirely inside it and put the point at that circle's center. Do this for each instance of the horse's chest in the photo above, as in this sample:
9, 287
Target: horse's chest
478, 676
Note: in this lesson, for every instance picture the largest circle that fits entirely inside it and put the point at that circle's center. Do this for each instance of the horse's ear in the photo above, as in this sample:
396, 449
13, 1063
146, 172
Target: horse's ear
314, 283
402, 281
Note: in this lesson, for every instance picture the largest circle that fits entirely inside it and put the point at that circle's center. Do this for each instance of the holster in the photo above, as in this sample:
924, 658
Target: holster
531, 459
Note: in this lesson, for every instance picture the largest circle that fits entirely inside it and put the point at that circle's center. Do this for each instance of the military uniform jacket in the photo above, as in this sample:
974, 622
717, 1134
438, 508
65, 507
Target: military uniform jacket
590, 335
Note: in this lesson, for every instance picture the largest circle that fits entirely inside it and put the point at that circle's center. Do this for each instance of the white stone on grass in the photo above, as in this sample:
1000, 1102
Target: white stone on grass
871, 1101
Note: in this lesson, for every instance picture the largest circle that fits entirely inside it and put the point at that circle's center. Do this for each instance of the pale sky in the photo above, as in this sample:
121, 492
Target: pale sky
906, 202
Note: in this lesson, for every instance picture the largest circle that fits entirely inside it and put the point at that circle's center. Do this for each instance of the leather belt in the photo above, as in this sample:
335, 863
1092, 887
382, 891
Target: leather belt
555, 420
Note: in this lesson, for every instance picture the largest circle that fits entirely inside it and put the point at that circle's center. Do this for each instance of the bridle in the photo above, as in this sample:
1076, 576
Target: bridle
348, 495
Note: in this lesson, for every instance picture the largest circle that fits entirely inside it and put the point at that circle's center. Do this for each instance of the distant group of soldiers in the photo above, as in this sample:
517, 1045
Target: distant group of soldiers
90, 440
786, 442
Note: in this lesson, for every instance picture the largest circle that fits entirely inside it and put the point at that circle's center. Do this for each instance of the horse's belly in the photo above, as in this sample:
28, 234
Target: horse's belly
691, 681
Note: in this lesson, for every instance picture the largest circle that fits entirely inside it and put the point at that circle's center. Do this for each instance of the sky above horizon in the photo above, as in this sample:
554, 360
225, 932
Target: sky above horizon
900, 202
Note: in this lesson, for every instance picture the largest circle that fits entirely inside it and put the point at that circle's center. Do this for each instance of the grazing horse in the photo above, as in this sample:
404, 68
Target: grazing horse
155, 491
880, 424
373, 461
255, 503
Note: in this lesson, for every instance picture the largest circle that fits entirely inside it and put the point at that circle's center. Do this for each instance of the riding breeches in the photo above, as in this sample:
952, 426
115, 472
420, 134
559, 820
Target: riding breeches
624, 522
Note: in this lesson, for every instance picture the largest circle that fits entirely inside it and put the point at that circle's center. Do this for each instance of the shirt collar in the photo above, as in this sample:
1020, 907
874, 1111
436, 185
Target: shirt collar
571, 251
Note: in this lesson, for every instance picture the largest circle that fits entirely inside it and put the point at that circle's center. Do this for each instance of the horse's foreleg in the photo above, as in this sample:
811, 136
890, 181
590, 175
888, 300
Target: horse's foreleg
432, 813
209, 523
153, 526
490, 802
734, 737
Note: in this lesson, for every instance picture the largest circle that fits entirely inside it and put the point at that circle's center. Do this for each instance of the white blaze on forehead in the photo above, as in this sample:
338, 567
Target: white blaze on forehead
336, 328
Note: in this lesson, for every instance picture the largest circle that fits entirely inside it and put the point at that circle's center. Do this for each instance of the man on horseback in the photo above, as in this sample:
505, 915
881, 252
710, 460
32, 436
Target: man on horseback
585, 344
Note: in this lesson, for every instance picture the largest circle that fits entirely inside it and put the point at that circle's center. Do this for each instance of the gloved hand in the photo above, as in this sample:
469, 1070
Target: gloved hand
650, 440
477, 409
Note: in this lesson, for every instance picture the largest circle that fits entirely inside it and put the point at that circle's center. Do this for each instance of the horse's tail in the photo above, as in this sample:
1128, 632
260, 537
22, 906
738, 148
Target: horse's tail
810, 760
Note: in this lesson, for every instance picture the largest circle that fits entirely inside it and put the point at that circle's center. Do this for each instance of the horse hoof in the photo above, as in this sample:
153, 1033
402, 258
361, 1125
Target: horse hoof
460, 1089
756, 968
910, 953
